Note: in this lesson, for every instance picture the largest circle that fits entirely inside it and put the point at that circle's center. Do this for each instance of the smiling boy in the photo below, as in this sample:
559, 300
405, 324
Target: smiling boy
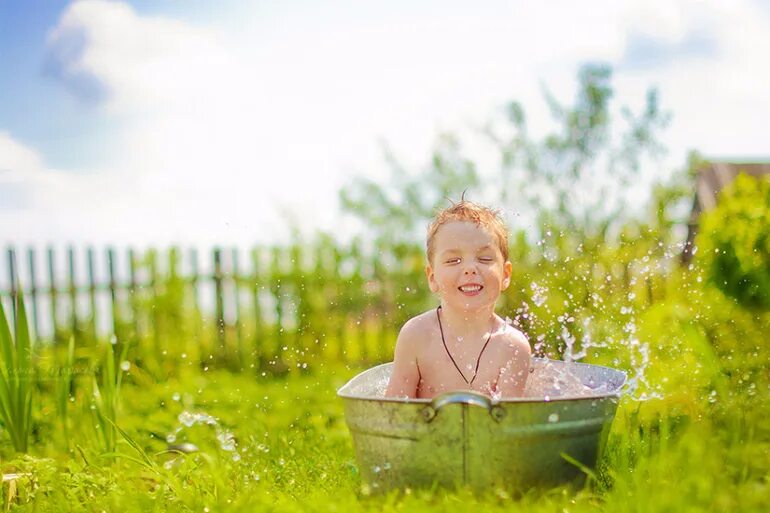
463, 344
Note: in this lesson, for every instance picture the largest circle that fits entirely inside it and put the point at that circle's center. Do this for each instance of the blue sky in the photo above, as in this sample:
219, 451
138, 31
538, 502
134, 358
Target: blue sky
196, 122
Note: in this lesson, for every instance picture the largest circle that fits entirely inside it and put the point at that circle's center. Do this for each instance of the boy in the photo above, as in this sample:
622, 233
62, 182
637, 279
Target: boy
462, 344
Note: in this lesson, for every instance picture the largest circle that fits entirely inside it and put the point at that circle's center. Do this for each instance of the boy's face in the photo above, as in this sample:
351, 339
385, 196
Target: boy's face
467, 270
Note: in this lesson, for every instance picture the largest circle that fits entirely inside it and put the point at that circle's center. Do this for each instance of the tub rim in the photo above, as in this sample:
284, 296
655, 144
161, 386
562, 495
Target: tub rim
616, 394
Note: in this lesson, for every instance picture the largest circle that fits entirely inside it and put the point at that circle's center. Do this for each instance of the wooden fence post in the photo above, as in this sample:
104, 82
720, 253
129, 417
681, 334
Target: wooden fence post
73, 291
220, 307
151, 258
320, 318
113, 291
235, 277
33, 291
133, 294
300, 296
378, 273
12, 274
196, 305
358, 300
53, 291
275, 287
341, 320
92, 290
258, 329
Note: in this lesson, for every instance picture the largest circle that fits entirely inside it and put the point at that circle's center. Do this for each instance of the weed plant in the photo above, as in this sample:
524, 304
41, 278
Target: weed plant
16, 376
106, 399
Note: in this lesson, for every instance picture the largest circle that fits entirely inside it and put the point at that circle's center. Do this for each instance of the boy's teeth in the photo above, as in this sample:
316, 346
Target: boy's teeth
470, 288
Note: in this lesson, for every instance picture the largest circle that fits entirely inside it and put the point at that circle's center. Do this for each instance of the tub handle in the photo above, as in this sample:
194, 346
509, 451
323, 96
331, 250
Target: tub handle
470, 398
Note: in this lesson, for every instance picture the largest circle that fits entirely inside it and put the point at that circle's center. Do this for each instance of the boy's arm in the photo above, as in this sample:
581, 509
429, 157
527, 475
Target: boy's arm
513, 375
406, 375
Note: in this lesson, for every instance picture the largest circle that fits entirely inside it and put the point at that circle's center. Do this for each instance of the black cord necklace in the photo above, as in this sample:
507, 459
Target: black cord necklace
478, 360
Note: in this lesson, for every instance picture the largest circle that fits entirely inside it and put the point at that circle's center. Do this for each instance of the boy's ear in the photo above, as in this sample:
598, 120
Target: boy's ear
431, 279
507, 271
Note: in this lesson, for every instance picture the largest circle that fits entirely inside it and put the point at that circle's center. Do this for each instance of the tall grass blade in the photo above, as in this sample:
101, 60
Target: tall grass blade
146, 461
63, 389
583, 468
16, 376
106, 399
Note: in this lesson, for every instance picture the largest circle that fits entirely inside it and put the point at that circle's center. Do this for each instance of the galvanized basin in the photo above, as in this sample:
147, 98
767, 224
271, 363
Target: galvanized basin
466, 438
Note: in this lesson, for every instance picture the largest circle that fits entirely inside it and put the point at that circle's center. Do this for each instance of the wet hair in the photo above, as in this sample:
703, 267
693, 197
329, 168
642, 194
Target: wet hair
470, 212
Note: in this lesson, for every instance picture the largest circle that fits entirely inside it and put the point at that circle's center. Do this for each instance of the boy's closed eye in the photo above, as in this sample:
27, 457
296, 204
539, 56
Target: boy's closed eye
485, 259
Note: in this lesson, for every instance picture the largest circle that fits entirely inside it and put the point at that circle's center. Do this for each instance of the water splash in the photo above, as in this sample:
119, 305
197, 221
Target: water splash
539, 294
225, 438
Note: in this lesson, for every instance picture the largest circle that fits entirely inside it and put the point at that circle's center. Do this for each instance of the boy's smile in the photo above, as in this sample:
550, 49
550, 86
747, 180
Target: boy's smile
471, 289
467, 270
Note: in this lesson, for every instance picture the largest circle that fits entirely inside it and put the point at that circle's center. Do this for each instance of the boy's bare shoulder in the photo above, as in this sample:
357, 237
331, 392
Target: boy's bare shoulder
419, 324
413, 332
514, 340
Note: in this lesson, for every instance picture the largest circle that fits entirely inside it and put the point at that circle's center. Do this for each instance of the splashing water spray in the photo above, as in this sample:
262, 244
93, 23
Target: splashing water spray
224, 437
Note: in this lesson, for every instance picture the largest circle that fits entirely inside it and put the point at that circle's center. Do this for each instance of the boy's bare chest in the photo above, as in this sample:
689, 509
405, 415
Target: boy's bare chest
458, 368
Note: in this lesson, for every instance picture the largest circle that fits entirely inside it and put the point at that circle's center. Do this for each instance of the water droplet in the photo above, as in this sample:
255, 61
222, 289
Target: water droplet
554, 417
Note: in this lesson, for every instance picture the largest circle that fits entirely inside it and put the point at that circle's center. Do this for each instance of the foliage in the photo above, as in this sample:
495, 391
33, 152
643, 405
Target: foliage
16, 376
105, 401
396, 213
577, 178
734, 242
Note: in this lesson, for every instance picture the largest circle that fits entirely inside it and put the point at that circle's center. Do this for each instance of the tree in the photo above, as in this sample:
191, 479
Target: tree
734, 242
574, 179
395, 211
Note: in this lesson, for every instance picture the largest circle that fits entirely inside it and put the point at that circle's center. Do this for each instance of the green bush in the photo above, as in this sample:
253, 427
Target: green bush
734, 242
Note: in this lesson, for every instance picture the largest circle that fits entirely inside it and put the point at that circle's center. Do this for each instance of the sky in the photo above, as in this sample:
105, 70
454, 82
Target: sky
154, 123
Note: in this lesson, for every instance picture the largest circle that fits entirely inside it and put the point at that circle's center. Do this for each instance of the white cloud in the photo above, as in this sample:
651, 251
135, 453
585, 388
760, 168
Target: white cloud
53, 205
18, 163
225, 124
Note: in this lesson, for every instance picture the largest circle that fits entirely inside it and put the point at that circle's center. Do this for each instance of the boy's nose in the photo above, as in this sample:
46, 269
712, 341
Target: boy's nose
470, 270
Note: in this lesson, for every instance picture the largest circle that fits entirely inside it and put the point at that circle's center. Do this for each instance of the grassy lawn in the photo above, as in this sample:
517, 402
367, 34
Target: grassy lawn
694, 450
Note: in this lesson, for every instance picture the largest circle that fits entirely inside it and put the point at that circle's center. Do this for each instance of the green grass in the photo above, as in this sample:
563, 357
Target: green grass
16, 376
96, 434
105, 400
688, 452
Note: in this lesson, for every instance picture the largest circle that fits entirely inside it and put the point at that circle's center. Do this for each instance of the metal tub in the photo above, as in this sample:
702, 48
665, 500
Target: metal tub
466, 438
